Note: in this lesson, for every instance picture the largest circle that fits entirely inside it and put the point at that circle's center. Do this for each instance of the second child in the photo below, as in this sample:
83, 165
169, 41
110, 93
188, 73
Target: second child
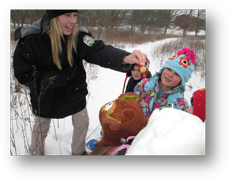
166, 88
136, 76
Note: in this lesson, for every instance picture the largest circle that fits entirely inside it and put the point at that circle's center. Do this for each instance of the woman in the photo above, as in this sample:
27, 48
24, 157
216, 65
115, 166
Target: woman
50, 64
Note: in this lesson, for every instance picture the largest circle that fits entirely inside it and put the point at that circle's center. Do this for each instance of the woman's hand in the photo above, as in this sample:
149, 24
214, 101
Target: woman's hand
135, 57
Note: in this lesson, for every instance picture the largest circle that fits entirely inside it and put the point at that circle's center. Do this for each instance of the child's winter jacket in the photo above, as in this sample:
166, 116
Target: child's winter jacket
149, 88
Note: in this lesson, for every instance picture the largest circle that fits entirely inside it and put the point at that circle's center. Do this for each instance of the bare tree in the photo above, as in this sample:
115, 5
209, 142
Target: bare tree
186, 22
167, 18
132, 19
147, 21
22, 17
200, 20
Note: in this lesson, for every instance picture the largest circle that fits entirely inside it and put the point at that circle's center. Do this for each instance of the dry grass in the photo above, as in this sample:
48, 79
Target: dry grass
115, 35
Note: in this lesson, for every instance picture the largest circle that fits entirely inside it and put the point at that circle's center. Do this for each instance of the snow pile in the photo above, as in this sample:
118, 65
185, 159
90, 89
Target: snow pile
170, 132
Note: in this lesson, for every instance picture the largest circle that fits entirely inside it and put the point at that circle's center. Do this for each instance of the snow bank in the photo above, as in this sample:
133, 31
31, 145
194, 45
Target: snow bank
170, 132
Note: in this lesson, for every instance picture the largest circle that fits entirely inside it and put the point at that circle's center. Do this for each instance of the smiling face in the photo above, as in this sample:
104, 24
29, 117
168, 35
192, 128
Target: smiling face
169, 80
67, 22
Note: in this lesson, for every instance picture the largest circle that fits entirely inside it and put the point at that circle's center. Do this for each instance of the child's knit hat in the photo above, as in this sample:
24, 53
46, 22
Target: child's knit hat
182, 64
199, 103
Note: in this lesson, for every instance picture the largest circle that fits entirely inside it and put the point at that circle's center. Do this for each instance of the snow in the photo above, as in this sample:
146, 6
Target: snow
170, 132
104, 87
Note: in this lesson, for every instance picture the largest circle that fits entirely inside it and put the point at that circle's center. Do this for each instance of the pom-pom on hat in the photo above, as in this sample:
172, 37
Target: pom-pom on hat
199, 103
182, 63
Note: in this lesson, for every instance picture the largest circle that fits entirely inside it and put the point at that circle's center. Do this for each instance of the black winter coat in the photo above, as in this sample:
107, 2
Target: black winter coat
59, 93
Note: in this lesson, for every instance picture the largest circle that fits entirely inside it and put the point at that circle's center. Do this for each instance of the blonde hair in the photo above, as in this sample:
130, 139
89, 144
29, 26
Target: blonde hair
56, 35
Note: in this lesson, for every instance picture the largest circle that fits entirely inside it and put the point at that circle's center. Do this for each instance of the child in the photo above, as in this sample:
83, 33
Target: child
166, 88
198, 104
136, 76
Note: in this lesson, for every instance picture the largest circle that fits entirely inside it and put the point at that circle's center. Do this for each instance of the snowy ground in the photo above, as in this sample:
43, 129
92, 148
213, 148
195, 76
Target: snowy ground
106, 87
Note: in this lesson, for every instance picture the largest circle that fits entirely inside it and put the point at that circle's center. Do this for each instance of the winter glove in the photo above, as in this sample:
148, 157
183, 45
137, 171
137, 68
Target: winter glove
90, 145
